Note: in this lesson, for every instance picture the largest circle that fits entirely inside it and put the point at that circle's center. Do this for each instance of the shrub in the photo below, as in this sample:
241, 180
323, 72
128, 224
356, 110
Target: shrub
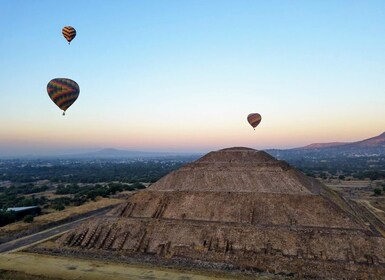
377, 191
7, 217
59, 207
138, 186
28, 219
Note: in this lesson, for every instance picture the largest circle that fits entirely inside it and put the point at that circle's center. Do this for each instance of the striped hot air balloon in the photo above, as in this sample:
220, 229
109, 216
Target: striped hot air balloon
69, 33
63, 92
254, 119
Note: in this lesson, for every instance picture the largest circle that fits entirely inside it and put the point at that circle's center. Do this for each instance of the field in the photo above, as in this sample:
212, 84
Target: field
15, 275
71, 269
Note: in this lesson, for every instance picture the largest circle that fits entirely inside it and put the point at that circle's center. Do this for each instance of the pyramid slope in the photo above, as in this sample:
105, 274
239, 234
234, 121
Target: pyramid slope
238, 170
238, 207
286, 222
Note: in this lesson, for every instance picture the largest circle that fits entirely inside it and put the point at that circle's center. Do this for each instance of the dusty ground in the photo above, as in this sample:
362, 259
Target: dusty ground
59, 215
66, 268
14, 275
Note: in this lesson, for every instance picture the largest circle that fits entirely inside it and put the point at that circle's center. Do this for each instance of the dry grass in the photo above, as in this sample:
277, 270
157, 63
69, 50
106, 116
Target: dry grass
70, 268
14, 275
60, 215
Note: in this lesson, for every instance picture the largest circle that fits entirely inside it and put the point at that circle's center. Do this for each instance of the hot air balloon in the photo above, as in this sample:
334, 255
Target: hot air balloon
63, 92
254, 119
69, 33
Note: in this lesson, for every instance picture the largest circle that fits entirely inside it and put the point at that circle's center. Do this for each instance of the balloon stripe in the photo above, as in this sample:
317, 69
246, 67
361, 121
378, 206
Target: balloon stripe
65, 104
58, 97
67, 30
69, 34
60, 89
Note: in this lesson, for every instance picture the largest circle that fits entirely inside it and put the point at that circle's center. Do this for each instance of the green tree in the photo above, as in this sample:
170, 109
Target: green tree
7, 217
377, 191
28, 219
58, 207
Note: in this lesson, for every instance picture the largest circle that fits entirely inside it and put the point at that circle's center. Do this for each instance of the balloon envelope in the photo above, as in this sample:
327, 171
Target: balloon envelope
63, 92
254, 119
69, 33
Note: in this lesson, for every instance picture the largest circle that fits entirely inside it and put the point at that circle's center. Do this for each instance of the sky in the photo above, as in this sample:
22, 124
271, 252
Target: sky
171, 75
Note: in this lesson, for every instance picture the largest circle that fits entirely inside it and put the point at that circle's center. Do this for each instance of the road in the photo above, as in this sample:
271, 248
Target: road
26, 241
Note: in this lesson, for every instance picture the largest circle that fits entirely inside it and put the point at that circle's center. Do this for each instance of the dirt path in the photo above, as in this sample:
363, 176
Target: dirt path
66, 268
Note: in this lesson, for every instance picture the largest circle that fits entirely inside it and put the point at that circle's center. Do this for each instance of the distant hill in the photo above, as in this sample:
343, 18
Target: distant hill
110, 153
374, 146
374, 142
360, 160
323, 145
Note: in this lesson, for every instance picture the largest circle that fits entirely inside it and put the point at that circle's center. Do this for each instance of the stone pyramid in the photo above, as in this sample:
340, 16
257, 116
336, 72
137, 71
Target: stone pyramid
238, 208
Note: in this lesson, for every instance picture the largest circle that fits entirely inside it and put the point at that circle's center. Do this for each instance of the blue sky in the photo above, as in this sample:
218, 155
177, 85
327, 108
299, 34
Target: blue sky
184, 75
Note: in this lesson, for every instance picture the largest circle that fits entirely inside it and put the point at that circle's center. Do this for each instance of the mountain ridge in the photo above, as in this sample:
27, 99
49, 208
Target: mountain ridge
372, 142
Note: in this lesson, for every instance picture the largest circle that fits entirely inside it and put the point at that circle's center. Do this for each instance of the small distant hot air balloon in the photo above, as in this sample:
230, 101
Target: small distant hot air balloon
63, 92
254, 119
69, 33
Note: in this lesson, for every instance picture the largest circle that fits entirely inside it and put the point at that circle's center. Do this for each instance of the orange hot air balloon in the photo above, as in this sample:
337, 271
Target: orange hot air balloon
69, 33
63, 92
254, 119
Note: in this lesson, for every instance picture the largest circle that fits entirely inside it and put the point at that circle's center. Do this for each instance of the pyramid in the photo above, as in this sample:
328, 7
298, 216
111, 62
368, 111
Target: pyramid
238, 208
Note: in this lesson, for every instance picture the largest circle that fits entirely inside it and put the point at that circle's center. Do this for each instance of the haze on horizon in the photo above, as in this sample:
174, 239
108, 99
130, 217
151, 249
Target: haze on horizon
184, 75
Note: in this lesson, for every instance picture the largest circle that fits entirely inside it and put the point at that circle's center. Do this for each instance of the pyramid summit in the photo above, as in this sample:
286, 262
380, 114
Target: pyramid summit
238, 170
238, 208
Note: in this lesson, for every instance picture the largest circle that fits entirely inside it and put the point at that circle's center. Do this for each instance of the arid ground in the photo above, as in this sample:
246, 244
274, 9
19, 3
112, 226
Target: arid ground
54, 267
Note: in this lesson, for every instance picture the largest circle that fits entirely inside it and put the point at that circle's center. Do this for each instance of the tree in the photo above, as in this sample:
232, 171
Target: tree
59, 207
377, 191
138, 186
28, 219
7, 217
374, 176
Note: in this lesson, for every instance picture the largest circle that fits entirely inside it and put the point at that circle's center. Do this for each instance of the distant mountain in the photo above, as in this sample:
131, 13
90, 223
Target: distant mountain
110, 153
374, 146
374, 142
323, 145
360, 159
113, 153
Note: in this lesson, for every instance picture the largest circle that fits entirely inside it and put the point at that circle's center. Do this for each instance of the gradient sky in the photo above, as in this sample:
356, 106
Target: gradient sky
171, 75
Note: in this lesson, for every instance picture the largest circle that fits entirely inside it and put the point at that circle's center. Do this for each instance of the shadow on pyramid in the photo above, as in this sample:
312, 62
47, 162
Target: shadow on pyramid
233, 209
